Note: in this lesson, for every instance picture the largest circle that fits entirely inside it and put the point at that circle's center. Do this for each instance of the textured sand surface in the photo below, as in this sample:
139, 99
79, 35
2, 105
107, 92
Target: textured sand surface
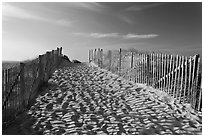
89, 100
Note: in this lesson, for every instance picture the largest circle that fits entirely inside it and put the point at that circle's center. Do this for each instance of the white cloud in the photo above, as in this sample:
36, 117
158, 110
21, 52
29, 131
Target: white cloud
142, 7
125, 19
10, 11
93, 6
98, 35
116, 35
13, 11
63, 22
108, 35
137, 36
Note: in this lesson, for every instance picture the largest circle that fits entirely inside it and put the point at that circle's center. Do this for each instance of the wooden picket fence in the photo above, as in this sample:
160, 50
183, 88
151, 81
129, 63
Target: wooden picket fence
179, 76
21, 84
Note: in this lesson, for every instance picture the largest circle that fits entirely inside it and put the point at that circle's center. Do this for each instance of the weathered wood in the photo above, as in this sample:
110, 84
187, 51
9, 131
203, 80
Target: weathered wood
22, 83
142, 68
172, 74
153, 64
138, 68
98, 57
110, 59
197, 84
186, 79
189, 78
92, 56
168, 70
102, 58
195, 79
162, 74
148, 69
89, 56
47, 65
14, 94
159, 67
175, 77
12, 102
41, 72
60, 50
145, 69
120, 61
200, 96
195, 60
157, 71
6, 102
132, 58
182, 77
3, 88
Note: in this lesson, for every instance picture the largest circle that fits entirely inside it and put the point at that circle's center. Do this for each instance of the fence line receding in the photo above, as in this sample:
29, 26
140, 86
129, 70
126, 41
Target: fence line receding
179, 76
20, 84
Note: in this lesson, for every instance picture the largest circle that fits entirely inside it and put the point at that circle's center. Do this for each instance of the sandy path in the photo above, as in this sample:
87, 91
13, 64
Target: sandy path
84, 100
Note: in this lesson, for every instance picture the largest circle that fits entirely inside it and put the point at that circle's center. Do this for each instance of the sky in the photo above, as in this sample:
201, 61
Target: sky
31, 29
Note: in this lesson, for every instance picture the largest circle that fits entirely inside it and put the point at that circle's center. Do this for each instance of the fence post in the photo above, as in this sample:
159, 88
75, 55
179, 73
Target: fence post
131, 62
194, 79
120, 61
95, 56
110, 59
92, 55
182, 77
185, 81
101, 58
175, 77
60, 51
40, 67
98, 57
59, 55
190, 77
47, 65
200, 96
148, 65
89, 56
22, 83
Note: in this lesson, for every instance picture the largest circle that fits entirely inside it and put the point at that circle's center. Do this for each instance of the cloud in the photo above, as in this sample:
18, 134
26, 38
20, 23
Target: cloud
142, 7
93, 6
10, 11
116, 35
63, 22
13, 11
125, 19
98, 35
137, 36
108, 35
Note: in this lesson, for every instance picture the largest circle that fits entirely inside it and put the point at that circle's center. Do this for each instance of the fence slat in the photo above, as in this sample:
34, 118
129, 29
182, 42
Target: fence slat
182, 77
153, 75
200, 96
193, 78
167, 73
157, 68
189, 78
185, 82
175, 77
195, 89
22, 83
120, 61
110, 59
178, 77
